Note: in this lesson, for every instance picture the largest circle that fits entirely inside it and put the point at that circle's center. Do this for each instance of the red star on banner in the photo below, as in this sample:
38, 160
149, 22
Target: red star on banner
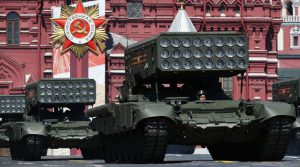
79, 10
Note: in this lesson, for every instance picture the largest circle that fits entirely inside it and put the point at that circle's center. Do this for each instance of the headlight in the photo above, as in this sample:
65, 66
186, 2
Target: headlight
198, 64
186, 42
186, 53
209, 64
176, 64
230, 52
241, 41
164, 42
197, 42
230, 41
197, 53
219, 52
187, 64
241, 63
175, 42
208, 42
176, 54
241, 52
219, 42
164, 54
220, 64
208, 53
165, 65
230, 64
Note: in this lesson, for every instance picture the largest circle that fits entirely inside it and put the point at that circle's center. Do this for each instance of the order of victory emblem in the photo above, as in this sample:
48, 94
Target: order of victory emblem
79, 30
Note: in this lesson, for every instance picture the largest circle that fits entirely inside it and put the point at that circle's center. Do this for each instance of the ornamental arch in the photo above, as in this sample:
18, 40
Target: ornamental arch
11, 73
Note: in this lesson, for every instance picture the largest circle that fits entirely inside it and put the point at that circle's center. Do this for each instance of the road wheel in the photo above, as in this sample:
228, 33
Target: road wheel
271, 145
274, 144
108, 149
150, 143
91, 153
32, 148
146, 144
215, 151
132, 146
15, 150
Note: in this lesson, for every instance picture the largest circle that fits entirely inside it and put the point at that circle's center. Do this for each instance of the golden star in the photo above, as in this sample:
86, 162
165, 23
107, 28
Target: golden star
79, 29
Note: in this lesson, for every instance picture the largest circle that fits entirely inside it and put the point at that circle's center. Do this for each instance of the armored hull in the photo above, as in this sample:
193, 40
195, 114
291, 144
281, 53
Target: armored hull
53, 117
224, 127
27, 140
11, 110
289, 91
159, 103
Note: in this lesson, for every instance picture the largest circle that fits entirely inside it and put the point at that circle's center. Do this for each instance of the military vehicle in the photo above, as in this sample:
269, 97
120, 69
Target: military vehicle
289, 91
11, 110
54, 117
158, 105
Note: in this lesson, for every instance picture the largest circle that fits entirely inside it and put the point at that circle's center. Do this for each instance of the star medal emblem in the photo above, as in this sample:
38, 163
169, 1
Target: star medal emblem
79, 30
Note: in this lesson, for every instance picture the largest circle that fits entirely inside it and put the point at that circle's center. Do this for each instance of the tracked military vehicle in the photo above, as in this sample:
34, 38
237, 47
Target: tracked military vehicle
158, 104
54, 118
289, 91
11, 110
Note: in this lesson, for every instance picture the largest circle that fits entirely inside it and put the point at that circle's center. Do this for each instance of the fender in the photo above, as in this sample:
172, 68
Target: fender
266, 110
115, 117
150, 110
17, 130
296, 124
4, 140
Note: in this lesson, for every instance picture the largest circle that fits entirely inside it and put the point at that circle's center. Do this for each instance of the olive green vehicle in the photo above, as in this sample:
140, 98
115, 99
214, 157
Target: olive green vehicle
11, 110
289, 91
158, 103
54, 117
